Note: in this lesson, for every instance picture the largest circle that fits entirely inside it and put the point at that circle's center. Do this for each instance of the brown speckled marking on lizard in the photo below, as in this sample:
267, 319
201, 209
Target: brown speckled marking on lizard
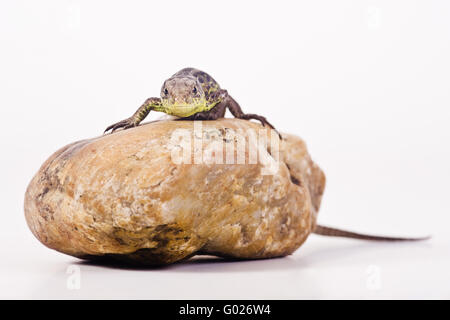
190, 94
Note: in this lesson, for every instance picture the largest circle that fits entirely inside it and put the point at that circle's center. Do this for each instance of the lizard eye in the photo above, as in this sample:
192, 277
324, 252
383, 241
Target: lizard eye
166, 92
194, 90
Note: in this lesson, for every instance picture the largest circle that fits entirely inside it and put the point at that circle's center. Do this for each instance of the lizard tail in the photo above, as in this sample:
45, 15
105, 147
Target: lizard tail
326, 231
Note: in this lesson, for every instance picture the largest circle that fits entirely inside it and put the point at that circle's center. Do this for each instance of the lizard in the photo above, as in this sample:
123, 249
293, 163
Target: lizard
190, 94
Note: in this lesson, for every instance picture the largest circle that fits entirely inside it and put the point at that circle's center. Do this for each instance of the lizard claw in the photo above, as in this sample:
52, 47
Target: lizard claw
263, 121
125, 124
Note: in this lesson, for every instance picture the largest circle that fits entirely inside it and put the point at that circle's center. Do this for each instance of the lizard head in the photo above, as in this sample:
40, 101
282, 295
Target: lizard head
183, 96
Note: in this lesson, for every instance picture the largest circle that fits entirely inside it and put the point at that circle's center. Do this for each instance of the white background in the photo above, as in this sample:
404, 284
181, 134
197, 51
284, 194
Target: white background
365, 83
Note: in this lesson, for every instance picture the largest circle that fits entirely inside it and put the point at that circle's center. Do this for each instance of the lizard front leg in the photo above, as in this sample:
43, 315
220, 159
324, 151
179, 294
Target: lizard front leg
237, 112
138, 116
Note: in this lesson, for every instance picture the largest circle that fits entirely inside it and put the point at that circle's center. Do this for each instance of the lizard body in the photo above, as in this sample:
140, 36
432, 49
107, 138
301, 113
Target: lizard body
190, 94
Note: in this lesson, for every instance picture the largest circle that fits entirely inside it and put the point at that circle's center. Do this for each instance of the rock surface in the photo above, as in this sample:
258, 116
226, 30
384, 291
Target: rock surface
126, 195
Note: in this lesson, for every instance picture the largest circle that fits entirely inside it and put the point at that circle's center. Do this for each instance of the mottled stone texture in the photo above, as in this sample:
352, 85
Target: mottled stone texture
122, 196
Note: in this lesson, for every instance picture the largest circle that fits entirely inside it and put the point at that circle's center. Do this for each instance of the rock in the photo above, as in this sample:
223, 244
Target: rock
134, 196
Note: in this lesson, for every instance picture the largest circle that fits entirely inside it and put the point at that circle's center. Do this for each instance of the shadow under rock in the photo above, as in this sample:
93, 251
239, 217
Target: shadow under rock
211, 264
311, 253
203, 263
